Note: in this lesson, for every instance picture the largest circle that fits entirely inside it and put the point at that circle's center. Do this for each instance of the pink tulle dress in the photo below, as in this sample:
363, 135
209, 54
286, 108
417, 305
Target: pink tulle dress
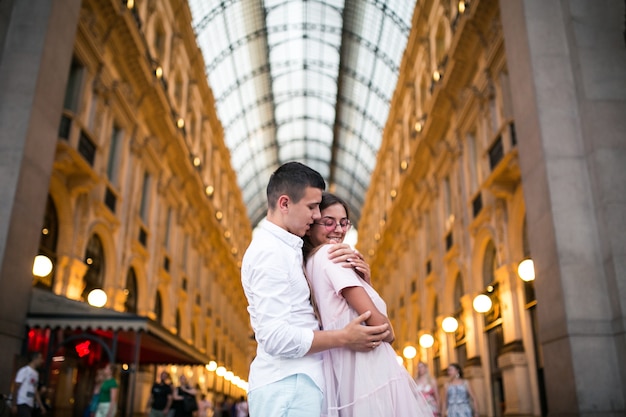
368, 384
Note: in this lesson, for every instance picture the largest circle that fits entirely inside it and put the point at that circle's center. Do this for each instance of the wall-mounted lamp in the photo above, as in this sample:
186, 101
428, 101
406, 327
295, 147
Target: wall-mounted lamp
196, 161
97, 298
219, 215
449, 324
437, 75
42, 266
158, 72
211, 366
130, 4
180, 123
526, 270
409, 352
209, 190
404, 164
482, 303
462, 6
419, 124
220, 371
426, 340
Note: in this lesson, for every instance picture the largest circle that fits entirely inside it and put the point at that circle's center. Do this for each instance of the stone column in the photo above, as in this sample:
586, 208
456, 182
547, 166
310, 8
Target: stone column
515, 376
567, 63
513, 359
36, 52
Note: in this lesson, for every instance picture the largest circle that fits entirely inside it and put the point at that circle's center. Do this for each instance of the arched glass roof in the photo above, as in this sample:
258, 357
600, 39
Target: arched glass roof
305, 80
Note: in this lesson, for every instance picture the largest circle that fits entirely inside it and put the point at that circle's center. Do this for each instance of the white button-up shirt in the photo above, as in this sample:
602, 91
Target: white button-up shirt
280, 309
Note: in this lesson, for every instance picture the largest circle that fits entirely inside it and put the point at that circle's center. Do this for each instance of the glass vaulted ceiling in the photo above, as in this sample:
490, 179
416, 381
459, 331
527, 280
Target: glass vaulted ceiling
303, 80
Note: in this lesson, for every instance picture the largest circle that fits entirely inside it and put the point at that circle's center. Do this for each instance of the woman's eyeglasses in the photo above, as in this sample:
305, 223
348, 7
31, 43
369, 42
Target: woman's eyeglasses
331, 224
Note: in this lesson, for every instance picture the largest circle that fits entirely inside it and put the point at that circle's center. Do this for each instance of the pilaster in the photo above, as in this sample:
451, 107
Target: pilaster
34, 61
557, 54
516, 380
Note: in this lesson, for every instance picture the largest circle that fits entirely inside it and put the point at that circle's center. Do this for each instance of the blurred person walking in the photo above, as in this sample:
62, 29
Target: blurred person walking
241, 407
184, 396
458, 398
427, 385
205, 406
26, 393
90, 411
108, 395
160, 400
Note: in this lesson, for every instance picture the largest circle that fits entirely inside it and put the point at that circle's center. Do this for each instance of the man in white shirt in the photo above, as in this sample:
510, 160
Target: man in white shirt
26, 387
286, 378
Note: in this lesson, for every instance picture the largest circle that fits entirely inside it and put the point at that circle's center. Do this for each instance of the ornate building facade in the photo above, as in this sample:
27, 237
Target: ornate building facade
503, 145
140, 202
505, 142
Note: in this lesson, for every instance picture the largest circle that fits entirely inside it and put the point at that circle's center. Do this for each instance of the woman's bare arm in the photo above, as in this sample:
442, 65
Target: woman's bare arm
360, 301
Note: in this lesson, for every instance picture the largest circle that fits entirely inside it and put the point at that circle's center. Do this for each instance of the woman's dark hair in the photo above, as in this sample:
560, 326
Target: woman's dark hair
328, 199
458, 369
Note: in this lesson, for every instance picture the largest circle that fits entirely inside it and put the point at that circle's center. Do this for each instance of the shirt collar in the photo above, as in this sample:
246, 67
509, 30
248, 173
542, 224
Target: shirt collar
289, 238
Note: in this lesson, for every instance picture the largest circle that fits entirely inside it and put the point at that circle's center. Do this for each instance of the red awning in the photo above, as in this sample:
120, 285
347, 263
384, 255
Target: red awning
157, 345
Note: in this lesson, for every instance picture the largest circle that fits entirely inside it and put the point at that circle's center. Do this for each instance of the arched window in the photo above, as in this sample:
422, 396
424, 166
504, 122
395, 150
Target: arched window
178, 323
158, 308
440, 43
178, 91
435, 312
423, 94
436, 347
48, 243
130, 305
459, 334
94, 259
525, 243
458, 292
191, 133
489, 264
472, 160
418, 320
159, 42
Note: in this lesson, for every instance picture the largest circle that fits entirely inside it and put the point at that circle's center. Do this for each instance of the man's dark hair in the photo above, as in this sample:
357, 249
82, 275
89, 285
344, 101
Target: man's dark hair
329, 199
291, 179
33, 355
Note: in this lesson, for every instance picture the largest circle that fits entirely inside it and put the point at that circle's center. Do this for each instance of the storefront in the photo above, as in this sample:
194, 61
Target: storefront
78, 339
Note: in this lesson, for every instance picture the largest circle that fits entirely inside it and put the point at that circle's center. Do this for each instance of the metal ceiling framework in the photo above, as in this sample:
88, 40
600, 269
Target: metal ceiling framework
305, 80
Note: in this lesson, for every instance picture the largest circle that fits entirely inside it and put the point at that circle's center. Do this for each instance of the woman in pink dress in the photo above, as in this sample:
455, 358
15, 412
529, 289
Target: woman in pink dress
428, 387
358, 384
